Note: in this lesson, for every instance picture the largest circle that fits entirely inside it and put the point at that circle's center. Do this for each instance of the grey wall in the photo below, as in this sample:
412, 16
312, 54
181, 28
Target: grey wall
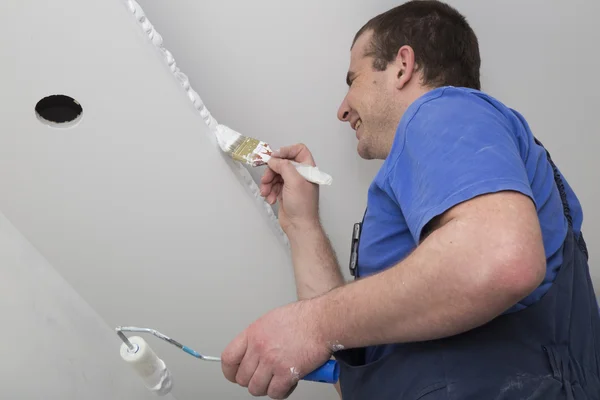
142, 216
53, 344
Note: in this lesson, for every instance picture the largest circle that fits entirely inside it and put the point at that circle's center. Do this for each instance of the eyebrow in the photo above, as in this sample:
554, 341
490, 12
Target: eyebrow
349, 77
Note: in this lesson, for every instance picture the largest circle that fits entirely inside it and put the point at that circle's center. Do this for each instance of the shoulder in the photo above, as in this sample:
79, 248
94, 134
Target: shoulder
454, 145
450, 107
448, 114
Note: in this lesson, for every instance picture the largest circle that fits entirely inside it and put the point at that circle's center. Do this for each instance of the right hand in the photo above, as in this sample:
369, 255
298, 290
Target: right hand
298, 198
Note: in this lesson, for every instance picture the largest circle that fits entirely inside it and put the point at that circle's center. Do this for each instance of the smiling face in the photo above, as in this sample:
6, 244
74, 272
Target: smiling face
376, 100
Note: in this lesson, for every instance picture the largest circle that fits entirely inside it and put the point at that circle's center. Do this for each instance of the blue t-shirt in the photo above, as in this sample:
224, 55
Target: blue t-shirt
451, 145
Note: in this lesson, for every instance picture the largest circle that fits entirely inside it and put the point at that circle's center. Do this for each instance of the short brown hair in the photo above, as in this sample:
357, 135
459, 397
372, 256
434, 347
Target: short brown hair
446, 48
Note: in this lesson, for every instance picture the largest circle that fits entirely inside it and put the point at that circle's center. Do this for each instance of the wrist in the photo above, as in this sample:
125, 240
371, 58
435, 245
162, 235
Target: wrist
317, 315
327, 324
300, 232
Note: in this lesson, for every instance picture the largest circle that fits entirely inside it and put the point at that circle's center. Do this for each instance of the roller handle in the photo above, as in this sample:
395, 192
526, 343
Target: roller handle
327, 373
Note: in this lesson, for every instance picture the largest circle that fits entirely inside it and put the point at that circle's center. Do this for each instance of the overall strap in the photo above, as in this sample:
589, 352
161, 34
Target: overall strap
563, 196
356, 234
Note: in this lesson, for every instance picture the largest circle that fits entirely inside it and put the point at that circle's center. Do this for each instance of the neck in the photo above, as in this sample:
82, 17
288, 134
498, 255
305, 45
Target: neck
414, 92
409, 96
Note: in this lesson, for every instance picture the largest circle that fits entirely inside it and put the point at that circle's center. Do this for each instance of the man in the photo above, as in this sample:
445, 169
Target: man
472, 278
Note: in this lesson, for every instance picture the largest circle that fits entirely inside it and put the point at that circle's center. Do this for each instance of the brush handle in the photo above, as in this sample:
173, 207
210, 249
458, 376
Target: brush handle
312, 174
327, 373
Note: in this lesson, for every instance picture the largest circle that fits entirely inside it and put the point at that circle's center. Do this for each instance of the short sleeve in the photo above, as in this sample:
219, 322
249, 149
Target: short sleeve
456, 147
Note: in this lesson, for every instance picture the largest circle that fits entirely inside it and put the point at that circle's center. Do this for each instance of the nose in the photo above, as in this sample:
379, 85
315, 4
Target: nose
343, 113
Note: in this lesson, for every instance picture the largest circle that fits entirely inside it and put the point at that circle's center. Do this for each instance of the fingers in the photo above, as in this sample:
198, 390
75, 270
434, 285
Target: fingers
284, 168
259, 384
275, 193
281, 387
233, 355
270, 185
259, 379
266, 182
289, 393
268, 176
280, 170
246, 369
297, 152
272, 190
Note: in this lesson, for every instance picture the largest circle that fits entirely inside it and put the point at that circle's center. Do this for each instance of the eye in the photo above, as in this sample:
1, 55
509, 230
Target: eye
350, 77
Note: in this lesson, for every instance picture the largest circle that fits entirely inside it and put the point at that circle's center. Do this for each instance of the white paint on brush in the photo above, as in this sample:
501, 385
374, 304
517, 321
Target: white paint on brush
262, 154
226, 137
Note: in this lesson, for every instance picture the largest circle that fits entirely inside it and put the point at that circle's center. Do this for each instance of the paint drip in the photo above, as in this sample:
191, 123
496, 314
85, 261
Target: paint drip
295, 374
337, 346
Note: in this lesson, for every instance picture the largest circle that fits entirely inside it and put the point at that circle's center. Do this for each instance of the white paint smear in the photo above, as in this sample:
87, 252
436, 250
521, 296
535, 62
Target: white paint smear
199, 105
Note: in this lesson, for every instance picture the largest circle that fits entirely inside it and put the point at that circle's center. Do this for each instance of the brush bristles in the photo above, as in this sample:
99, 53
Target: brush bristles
243, 149
227, 138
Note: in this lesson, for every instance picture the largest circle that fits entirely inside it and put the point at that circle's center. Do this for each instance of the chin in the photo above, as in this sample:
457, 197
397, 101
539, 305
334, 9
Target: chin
364, 152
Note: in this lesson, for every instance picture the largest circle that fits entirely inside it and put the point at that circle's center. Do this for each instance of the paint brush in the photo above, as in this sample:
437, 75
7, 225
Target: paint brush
254, 152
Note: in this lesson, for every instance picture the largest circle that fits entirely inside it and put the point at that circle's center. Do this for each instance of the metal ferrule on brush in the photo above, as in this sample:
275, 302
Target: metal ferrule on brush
244, 150
251, 151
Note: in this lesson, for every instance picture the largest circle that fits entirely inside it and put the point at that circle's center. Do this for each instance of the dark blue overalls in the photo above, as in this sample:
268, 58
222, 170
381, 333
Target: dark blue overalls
550, 350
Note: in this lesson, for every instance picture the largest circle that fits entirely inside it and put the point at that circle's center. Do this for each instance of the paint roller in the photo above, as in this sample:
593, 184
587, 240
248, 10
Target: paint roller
144, 361
157, 378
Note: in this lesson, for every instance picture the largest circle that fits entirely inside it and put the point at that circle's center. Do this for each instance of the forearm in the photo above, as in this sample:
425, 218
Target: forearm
316, 269
448, 285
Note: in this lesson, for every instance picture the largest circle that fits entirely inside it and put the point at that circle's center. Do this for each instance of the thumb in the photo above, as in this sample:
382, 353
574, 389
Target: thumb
232, 356
284, 168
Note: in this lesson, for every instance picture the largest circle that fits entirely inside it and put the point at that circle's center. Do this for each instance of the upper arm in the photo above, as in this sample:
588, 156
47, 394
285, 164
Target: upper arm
492, 213
497, 237
503, 219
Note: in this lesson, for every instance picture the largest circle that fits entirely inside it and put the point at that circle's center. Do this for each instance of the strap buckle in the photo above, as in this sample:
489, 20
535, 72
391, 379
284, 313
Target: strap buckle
356, 230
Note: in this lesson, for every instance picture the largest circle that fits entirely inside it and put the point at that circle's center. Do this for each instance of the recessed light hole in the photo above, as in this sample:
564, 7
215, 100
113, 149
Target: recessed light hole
58, 111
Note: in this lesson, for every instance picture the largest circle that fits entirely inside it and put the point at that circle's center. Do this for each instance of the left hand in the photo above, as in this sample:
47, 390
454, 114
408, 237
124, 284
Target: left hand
276, 351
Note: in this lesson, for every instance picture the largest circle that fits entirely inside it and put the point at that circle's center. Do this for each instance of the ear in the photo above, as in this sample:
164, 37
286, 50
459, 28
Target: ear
405, 66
